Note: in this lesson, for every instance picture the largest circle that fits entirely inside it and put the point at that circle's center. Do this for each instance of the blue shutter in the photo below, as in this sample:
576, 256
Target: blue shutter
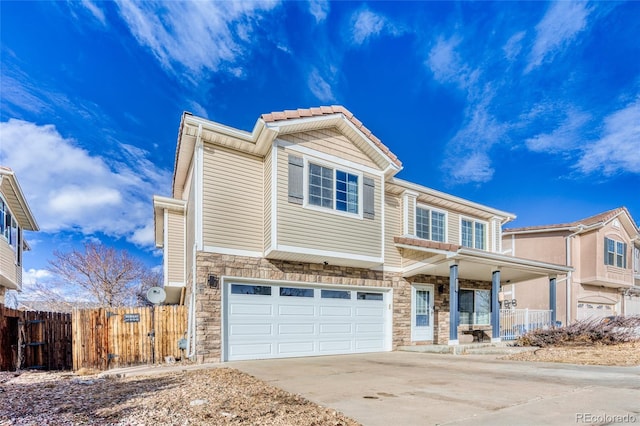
368, 198
296, 173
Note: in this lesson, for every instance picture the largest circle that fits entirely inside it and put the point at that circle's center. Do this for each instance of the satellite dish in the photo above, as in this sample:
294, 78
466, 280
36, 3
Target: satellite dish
156, 295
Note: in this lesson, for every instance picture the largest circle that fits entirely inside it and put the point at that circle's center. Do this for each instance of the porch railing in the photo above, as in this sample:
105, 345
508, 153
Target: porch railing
516, 322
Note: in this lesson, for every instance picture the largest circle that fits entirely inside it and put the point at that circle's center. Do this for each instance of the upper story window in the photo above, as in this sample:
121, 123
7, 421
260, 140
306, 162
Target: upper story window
333, 188
8, 226
615, 253
473, 234
430, 224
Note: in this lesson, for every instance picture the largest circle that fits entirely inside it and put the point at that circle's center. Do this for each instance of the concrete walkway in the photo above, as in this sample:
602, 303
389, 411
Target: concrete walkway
405, 388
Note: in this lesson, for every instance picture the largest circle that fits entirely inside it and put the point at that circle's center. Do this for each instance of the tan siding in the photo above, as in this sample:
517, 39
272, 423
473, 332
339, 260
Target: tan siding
8, 262
313, 229
232, 200
175, 253
410, 215
453, 228
331, 141
267, 200
393, 228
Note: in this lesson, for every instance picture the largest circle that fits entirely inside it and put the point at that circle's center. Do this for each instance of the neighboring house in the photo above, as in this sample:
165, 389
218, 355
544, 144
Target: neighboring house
296, 239
15, 217
603, 249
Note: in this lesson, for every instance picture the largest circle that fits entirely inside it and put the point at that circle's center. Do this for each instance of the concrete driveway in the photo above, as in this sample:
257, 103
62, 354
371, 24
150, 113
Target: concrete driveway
404, 388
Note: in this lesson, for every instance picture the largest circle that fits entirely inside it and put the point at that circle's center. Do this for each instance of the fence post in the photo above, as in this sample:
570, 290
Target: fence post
526, 319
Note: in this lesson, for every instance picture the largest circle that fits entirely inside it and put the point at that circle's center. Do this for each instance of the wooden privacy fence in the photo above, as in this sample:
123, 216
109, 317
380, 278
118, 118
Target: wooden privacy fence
34, 340
117, 337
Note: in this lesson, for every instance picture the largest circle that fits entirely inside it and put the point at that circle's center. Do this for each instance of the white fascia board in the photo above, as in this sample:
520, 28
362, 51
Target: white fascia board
452, 198
507, 232
327, 253
485, 257
231, 251
173, 204
10, 176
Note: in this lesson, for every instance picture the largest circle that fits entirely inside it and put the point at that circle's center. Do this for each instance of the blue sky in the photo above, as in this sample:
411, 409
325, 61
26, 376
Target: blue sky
529, 107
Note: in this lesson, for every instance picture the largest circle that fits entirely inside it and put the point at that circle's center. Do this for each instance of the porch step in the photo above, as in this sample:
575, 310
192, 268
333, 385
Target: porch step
470, 349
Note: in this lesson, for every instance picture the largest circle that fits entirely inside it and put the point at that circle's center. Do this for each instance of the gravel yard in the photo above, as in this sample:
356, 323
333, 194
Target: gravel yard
626, 354
219, 396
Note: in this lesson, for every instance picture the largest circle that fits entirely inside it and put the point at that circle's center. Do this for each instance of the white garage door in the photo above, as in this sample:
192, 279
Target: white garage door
289, 320
591, 311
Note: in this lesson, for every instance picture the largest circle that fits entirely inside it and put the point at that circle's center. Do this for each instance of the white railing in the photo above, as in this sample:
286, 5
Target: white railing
515, 322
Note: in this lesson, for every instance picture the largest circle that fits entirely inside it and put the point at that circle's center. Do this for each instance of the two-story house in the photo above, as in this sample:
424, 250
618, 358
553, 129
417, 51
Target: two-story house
15, 216
603, 249
297, 239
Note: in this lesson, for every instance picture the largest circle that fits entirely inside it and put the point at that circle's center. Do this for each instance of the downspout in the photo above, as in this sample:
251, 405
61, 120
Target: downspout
569, 282
191, 321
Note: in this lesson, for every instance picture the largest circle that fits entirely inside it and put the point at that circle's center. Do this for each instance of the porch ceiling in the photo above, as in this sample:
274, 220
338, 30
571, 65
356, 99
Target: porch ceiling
479, 265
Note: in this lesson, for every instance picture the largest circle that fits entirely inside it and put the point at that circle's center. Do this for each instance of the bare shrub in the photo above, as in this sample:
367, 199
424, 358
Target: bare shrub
608, 331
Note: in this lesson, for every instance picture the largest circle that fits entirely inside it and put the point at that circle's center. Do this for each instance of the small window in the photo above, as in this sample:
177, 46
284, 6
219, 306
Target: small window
473, 234
430, 225
296, 292
369, 296
474, 306
261, 290
615, 253
333, 189
335, 294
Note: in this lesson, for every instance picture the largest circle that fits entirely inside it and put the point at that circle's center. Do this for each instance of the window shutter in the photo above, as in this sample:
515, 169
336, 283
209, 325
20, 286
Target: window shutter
296, 170
368, 197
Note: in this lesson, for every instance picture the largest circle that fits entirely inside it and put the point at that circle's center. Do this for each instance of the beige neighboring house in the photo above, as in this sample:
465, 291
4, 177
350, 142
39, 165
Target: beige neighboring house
296, 239
15, 217
603, 249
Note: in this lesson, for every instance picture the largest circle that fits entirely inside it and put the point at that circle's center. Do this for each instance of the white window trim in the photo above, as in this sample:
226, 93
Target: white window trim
617, 239
431, 209
334, 167
473, 220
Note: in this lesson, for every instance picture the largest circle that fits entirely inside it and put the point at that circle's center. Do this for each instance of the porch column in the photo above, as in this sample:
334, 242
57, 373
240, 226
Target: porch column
552, 299
454, 315
495, 307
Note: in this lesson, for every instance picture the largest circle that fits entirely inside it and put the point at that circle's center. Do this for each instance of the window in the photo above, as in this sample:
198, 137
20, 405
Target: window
296, 292
369, 296
335, 294
9, 229
430, 224
474, 306
333, 189
615, 253
261, 290
473, 234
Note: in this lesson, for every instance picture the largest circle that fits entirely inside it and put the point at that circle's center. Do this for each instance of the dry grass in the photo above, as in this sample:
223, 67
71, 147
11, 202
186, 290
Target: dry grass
624, 354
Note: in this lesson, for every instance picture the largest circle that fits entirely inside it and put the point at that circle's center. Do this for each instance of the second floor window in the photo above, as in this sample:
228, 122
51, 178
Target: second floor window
334, 189
430, 224
473, 234
615, 253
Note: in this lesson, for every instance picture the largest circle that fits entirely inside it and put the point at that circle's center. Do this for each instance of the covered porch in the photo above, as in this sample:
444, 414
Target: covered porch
473, 308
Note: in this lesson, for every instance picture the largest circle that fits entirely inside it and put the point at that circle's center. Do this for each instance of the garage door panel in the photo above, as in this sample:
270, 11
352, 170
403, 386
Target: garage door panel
337, 328
336, 346
370, 311
298, 348
251, 309
292, 321
251, 329
335, 311
286, 329
296, 310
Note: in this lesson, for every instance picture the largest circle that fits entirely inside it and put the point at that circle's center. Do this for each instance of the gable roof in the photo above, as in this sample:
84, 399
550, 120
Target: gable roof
16, 200
328, 110
588, 222
194, 130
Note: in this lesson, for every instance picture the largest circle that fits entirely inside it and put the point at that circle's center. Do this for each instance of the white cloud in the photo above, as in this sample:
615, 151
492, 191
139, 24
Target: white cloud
33, 276
476, 167
94, 10
319, 86
513, 46
319, 9
557, 29
566, 136
618, 149
195, 36
366, 24
447, 66
68, 188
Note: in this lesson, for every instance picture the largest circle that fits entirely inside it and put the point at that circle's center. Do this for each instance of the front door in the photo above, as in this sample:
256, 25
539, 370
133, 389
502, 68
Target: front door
421, 312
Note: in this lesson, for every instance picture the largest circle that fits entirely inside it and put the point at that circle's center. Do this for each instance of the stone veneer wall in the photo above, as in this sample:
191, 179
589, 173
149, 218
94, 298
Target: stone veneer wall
208, 300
